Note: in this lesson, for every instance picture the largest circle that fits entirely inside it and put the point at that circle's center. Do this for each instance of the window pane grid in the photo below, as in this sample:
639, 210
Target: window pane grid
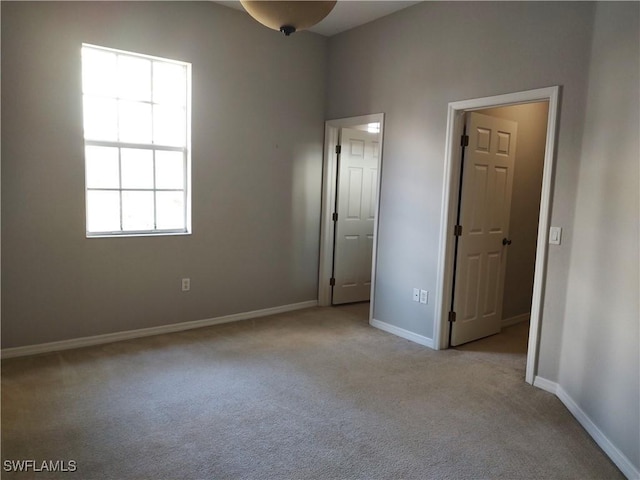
102, 96
160, 115
153, 189
143, 91
153, 176
120, 183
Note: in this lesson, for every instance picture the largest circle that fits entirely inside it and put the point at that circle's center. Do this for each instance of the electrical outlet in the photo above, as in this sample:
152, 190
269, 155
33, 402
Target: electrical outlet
424, 296
186, 284
416, 295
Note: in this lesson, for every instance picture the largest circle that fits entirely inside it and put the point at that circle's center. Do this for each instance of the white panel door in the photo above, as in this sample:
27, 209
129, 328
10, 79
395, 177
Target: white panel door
485, 204
356, 206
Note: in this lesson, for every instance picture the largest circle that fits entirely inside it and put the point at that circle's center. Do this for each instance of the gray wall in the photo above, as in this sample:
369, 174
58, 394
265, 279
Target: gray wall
258, 113
257, 171
411, 65
600, 363
525, 203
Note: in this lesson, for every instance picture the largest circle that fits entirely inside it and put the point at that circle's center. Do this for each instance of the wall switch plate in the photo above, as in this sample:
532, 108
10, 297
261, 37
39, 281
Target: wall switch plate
186, 284
416, 295
424, 296
555, 235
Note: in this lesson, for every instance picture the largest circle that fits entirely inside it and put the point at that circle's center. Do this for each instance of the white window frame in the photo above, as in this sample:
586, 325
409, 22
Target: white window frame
153, 147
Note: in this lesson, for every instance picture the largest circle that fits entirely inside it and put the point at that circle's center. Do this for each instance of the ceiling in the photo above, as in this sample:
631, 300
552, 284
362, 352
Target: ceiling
347, 14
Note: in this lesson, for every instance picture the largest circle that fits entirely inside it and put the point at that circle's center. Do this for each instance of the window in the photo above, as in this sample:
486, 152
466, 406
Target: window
137, 141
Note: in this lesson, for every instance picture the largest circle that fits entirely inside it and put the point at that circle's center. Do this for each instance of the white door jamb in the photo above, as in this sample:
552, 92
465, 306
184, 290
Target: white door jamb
455, 124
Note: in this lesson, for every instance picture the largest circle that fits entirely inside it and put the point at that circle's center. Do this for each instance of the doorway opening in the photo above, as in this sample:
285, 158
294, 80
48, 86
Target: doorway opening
459, 112
519, 148
350, 202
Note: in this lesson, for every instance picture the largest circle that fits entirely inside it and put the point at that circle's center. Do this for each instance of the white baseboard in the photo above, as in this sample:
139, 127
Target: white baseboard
622, 462
507, 322
544, 384
147, 332
401, 332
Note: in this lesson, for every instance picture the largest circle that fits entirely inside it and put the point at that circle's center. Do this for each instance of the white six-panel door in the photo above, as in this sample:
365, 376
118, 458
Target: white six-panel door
485, 205
356, 203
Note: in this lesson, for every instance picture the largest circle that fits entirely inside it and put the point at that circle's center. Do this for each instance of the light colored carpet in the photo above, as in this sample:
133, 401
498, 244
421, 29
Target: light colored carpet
314, 394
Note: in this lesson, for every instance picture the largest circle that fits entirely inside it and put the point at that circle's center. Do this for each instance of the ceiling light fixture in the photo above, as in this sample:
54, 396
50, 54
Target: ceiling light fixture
288, 17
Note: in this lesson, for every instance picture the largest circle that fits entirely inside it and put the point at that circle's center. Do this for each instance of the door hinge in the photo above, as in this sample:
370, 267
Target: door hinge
332, 282
338, 149
464, 141
334, 217
452, 317
457, 230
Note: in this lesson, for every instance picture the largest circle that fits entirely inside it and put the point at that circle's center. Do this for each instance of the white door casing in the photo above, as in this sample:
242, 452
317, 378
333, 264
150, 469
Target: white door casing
327, 225
485, 205
356, 208
455, 123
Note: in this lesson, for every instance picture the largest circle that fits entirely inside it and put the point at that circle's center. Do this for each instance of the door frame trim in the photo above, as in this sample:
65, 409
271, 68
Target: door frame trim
453, 150
329, 172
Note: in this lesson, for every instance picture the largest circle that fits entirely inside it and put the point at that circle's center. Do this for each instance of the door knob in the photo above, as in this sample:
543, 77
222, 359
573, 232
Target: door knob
506, 241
